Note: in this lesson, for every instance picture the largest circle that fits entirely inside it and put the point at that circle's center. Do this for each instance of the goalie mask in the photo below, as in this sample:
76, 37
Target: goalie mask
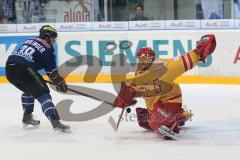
145, 56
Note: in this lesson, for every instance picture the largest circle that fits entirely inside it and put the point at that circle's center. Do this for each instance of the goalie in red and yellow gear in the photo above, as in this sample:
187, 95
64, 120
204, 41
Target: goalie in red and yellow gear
154, 80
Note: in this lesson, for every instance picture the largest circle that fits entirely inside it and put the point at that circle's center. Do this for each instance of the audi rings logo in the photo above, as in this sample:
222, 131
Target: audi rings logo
124, 45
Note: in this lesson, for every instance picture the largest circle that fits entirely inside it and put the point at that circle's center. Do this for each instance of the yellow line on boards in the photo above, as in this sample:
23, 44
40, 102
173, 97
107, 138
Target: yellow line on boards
118, 78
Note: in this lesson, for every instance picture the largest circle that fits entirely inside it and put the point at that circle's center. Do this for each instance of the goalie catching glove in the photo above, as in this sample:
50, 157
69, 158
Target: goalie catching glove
205, 46
58, 81
125, 96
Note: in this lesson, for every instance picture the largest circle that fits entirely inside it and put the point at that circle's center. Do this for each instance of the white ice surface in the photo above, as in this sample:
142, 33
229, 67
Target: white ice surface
214, 132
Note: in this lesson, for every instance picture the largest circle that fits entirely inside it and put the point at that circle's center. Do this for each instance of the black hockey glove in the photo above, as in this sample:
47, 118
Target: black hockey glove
58, 81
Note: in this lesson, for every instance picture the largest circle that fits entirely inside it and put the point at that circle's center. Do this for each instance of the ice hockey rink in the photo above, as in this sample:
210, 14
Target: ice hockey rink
214, 132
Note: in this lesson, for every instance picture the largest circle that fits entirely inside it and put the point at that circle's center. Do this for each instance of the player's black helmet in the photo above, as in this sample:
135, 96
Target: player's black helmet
47, 31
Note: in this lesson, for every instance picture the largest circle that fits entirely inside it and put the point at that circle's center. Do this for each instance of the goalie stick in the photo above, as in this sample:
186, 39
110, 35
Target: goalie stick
113, 123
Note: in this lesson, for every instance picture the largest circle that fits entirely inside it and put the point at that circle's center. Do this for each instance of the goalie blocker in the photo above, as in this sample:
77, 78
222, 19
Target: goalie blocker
125, 96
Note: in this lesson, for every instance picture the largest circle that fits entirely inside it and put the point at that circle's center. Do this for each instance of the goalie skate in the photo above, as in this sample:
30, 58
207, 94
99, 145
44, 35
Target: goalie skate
168, 133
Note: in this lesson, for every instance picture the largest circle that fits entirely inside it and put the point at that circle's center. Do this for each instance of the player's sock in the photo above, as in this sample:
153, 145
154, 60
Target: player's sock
27, 102
28, 106
50, 111
48, 107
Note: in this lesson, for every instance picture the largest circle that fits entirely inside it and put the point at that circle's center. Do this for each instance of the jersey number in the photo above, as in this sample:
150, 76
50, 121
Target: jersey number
27, 52
157, 88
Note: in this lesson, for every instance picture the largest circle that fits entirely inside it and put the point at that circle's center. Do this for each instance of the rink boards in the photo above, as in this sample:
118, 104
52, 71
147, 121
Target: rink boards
107, 56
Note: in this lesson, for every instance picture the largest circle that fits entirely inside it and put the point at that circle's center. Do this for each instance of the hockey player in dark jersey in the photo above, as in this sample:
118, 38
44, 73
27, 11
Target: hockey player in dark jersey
22, 71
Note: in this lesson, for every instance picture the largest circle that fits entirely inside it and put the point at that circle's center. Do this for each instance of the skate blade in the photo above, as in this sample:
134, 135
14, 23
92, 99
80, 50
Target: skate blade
66, 131
30, 127
167, 134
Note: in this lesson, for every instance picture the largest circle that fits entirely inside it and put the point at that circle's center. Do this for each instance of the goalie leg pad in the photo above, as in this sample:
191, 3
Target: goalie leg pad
159, 116
176, 110
173, 108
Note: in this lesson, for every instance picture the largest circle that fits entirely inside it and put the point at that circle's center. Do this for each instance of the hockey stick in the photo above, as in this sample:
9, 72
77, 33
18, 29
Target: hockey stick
110, 119
113, 123
83, 94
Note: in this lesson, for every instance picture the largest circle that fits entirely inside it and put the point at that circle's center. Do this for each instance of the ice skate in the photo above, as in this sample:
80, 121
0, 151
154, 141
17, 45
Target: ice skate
29, 122
58, 126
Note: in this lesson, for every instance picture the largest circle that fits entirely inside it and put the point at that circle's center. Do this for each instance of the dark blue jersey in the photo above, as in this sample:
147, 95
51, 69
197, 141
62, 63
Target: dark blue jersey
36, 53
